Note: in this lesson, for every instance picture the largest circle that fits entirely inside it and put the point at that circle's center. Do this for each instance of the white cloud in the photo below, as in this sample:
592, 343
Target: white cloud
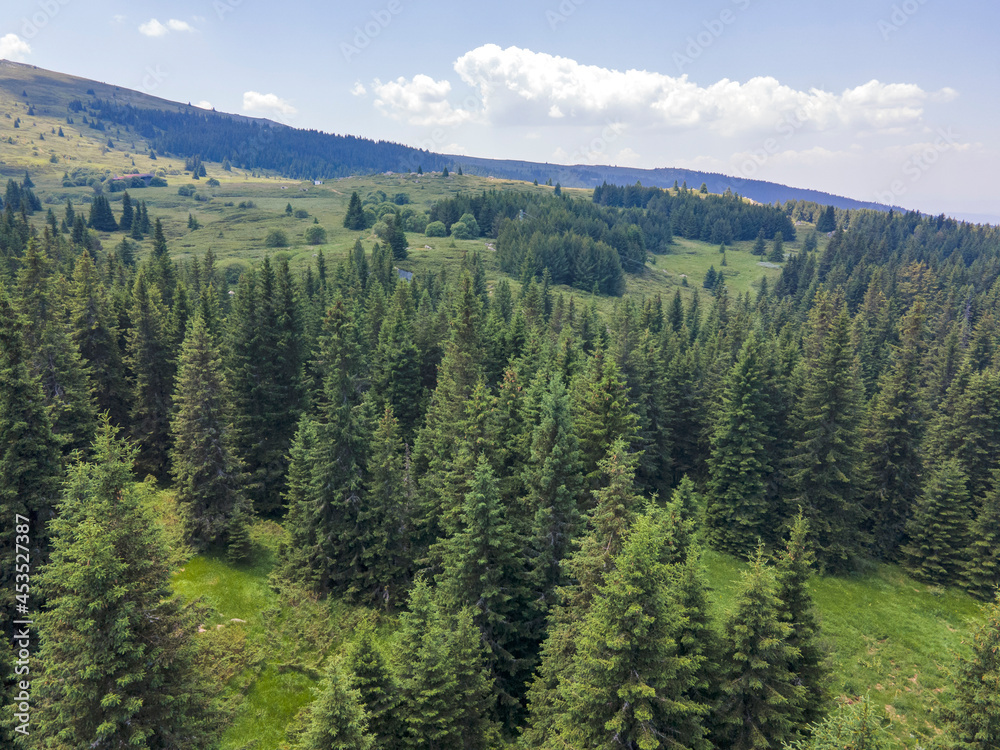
628, 158
118, 18
14, 48
154, 28
455, 148
203, 104
358, 89
520, 87
254, 101
420, 101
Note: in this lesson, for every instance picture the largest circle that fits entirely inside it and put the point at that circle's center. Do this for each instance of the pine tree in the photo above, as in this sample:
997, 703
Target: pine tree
975, 713
338, 720
95, 335
630, 685
738, 514
760, 697
827, 221
777, 254
148, 356
355, 218
939, 527
759, 245
793, 569
825, 467
118, 651
483, 569
370, 674
128, 213
101, 217
205, 468
443, 680
858, 725
161, 267
982, 567
396, 370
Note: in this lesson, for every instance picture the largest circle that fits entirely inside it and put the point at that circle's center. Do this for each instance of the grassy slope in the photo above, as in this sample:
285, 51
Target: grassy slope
237, 235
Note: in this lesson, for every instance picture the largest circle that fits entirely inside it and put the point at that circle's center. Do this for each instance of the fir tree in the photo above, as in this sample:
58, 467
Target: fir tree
355, 218
793, 569
982, 567
396, 376
630, 685
738, 515
148, 356
939, 528
101, 217
205, 469
858, 725
827, 221
760, 697
759, 245
118, 652
777, 254
443, 680
128, 213
370, 674
975, 713
338, 720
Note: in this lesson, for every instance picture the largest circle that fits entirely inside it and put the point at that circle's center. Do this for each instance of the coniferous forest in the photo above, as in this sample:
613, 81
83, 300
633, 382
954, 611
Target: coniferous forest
515, 484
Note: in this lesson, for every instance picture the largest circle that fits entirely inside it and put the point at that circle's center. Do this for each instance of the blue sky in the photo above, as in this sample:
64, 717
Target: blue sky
890, 100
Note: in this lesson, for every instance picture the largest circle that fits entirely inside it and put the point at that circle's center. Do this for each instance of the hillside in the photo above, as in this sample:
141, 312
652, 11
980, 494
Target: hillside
261, 144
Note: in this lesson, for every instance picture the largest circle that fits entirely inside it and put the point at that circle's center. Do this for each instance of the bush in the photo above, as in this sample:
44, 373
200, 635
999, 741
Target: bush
301, 214
276, 238
316, 235
212, 182
436, 229
461, 231
401, 199
185, 190
470, 221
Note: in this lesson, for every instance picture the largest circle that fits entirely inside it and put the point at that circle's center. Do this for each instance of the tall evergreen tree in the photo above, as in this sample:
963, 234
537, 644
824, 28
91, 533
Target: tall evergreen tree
975, 713
859, 725
148, 356
206, 471
371, 675
981, 576
939, 527
738, 515
396, 371
761, 697
355, 218
826, 462
128, 213
119, 653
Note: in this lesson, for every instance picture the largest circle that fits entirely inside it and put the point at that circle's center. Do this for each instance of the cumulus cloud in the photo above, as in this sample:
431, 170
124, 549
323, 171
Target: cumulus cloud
420, 101
517, 86
358, 89
154, 28
13, 47
204, 104
272, 104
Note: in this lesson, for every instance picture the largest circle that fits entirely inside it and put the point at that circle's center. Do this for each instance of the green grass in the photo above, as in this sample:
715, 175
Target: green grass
890, 636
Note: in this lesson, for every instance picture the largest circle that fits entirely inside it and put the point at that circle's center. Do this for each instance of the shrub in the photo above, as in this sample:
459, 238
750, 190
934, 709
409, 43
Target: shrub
316, 235
301, 214
185, 190
276, 238
436, 229
461, 231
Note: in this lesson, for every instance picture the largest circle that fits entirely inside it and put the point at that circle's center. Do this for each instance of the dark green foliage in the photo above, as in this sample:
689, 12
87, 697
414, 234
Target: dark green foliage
370, 674
859, 725
939, 528
355, 218
777, 254
975, 713
738, 513
204, 466
982, 567
794, 568
118, 653
337, 720
396, 376
827, 222
761, 697
759, 245
631, 685
444, 684
101, 217
128, 213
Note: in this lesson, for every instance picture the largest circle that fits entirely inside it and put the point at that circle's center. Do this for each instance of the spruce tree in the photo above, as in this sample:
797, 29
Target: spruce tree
205, 468
355, 218
738, 514
118, 652
101, 217
444, 684
760, 697
975, 713
793, 570
858, 725
777, 254
760, 244
95, 334
630, 685
826, 464
337, 720
149, 358
396, 370
981, 575
827, 221
128, 213
371, 675
939, 527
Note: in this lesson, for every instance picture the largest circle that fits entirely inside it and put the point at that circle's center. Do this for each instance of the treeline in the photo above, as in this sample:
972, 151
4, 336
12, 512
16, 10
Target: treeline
252, 144
528, 481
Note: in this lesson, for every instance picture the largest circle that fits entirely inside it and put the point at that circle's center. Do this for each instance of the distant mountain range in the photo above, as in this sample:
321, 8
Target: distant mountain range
257, 143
